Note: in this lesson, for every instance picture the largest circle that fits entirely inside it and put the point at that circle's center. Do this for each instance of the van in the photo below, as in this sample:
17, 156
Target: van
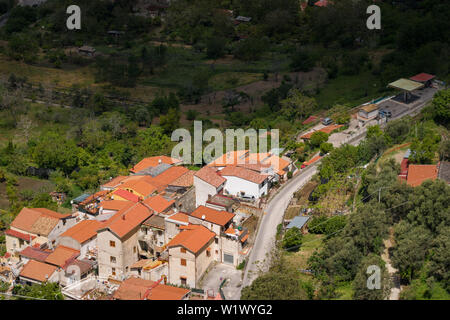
327, 121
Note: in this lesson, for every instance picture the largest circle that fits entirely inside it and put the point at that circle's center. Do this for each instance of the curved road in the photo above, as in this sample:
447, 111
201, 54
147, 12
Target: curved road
276, 207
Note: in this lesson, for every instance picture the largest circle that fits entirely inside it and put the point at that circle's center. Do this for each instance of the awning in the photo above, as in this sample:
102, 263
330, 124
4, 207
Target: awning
422, 77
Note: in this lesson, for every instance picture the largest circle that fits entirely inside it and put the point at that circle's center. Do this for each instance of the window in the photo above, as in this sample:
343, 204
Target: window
134, 249
182, 250
208, 252
216, 240
112, 259
217, 251
183, 262
112, 244
183, 281
113, 271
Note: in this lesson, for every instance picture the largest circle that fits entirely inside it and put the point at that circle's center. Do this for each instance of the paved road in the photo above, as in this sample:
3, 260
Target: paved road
275, 209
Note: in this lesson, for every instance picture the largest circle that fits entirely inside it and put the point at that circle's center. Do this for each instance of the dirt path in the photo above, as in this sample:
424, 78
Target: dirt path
395, 290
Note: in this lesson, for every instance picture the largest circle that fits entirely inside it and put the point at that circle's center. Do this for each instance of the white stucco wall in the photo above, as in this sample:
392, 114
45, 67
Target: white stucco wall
202, 190
235, 185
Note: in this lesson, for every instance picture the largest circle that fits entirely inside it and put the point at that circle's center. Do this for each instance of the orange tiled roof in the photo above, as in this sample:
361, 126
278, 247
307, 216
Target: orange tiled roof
158, 203
126, 220
162, 180
38, 271
114, 182
179, 216
126, 195
210, 176
327, 130
83, 231
61, 256
140, 186
192, 237
211, 215
230, 158
186, 180
115, 204
37, 220
153, 162
243, 173
418, 173
134, 289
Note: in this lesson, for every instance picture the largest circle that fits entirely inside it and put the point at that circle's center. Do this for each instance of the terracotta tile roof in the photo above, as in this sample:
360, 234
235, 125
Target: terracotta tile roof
162, 180
37, 220
186, 180
83, 231
156, 222
123, 222
19, 235
115, 204
422, 77
34, 253
126, 195
140, 186
230, 158
278, 164
322, 3
153, 162
114, 182
180, 217
61, 256
418, 173
243, 173
211, 215
311, 118
158, 203
327, 130
311, 161
84, 265
134, 289
210, 176
38, 271
192, 237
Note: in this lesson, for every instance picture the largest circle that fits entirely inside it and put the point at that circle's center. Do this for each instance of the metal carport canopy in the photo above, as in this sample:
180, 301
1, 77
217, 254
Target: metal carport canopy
406, 85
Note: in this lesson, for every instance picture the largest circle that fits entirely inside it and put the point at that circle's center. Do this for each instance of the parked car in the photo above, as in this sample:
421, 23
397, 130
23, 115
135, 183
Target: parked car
327, 121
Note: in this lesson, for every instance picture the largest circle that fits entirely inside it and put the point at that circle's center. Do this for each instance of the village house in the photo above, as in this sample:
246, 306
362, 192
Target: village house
368, 113
207, 183
36, 226
172, 224
150, 269
151, 162
117, 241
190, 255
82, 237
242, 182
35, 272
229, 240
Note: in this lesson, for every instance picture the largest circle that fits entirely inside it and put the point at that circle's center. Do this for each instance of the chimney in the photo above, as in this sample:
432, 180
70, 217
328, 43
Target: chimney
203, 217
123, 217
159, 161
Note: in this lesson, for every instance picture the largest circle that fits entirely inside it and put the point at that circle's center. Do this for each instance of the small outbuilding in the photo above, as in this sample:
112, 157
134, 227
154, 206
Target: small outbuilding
424, 78
300, 222
407, 87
